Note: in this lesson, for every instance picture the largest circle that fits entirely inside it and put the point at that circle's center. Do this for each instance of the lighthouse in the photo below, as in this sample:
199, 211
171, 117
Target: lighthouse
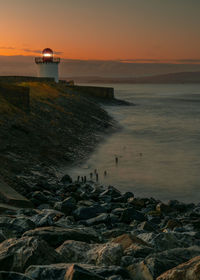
47, 65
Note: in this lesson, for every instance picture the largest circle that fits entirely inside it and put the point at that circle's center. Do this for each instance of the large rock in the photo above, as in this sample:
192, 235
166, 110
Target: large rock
18, 254
130, 214
55, 236
189, 270
11, 197
58, 271
66, 206
85, 213
46, 217
127, 240
6, 275
98, 254
169, 240
104, 218
12, 226
76, 272
66, 179
133, 246
156, 264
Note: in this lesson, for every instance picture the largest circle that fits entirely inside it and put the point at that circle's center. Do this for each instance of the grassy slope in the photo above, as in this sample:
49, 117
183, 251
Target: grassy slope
61, 128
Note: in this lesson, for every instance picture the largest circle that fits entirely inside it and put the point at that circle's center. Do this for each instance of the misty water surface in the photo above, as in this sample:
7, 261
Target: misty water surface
158, 146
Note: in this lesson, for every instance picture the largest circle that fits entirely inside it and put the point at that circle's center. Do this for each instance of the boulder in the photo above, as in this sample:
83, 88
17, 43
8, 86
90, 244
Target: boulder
74, 251
169, 240
66, 179
130, 214
76, 272
18, 254
12, 226
189, 270
155, 264
85, 213
47, 272
2, 236
107, 219
66, 206
55, 236
108, 254
139, 203
164, 208
172, 223
112, 192
98, 254
46, 217
127, 240
58, 271
7, 275
147, 226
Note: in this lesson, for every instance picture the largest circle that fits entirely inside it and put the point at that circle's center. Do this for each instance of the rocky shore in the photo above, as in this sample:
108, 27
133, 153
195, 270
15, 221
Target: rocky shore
88, 231
67, 230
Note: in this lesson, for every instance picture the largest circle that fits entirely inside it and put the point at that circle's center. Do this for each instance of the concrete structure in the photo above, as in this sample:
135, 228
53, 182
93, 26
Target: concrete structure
47, 65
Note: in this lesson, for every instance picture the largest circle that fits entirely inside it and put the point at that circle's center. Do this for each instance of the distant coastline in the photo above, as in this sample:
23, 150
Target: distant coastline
170, 78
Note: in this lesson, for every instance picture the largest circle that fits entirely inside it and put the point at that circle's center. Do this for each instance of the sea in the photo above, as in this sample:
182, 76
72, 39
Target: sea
157, 146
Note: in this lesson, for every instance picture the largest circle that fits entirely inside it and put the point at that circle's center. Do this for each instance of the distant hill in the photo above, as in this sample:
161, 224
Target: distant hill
175, 78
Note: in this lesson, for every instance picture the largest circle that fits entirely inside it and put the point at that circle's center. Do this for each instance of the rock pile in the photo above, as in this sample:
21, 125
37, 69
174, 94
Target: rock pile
90, 232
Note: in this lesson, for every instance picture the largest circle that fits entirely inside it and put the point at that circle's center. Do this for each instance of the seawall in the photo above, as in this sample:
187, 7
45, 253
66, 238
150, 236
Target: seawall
92, 91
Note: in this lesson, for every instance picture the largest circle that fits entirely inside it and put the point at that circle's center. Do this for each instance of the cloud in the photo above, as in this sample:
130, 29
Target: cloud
170, 61
26, 50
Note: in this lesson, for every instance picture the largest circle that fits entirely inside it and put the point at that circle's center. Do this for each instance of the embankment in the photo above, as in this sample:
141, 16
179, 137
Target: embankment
60, 126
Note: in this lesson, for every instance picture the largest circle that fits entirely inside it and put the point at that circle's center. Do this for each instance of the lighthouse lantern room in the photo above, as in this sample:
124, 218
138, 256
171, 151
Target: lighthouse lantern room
47, 65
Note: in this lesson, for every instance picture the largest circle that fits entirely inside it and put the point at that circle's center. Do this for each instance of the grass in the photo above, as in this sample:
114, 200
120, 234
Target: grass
40, 90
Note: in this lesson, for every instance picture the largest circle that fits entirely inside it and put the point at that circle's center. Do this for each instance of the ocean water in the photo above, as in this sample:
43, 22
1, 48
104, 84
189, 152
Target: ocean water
158, 145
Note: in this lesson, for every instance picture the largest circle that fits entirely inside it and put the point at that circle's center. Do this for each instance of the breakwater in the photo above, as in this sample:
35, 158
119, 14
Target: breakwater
91, 91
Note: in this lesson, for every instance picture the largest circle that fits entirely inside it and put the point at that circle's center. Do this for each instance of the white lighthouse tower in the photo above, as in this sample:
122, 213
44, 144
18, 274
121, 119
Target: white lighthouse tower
47, 65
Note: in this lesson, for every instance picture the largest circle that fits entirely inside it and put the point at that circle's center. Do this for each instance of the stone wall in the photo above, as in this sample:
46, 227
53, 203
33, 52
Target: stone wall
18, 79
99, 92
16, 95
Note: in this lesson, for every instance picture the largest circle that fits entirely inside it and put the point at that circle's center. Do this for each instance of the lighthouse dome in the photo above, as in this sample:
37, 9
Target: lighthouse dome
47, 51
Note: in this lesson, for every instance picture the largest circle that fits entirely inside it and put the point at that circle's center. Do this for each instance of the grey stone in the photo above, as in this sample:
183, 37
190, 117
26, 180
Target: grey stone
18, 254
55, 236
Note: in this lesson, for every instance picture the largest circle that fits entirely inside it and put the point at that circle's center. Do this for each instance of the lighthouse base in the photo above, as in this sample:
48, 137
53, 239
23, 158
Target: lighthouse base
48, 70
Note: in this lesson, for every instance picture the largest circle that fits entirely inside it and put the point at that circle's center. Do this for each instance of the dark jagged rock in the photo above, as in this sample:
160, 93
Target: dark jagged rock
85, 213
76, 272
66, 206
18, 254
6, 275
12, 226
58, 271
130, 214
55, 236
66, 179
161, 262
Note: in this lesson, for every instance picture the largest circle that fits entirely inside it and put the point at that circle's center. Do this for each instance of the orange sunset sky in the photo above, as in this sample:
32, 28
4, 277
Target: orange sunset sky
163, 30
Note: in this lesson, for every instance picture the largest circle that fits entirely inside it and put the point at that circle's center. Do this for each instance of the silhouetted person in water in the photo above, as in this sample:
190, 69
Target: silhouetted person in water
97, 177
85, 179
82, 179
95, 171
78, 178
116, 160
91, 174
105, 173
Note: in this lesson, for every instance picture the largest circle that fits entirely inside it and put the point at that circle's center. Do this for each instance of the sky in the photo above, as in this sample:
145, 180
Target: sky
126, 31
